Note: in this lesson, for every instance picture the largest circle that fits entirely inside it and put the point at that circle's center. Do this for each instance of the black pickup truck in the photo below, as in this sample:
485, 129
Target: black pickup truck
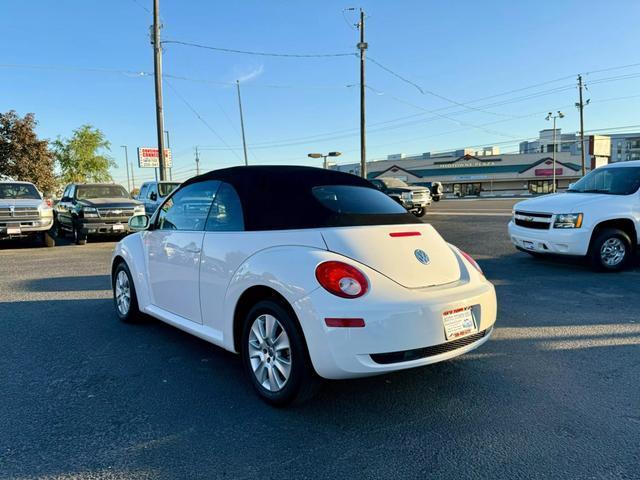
94, 209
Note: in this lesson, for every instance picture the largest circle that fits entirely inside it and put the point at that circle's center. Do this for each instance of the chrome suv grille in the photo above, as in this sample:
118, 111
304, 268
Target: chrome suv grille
115, 212
419, 195
537, 221
16, 213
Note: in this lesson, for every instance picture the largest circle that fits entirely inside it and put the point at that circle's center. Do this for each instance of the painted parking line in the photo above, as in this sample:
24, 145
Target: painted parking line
470, 214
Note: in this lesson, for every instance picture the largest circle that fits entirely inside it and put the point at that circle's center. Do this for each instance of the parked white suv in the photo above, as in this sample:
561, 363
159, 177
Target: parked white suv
599, 216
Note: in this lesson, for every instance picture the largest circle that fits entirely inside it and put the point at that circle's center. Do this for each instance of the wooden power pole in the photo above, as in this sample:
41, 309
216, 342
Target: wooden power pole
157, 70
362, 46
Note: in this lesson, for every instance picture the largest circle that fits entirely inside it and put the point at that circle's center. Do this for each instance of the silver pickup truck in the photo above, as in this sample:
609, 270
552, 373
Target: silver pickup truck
24, 213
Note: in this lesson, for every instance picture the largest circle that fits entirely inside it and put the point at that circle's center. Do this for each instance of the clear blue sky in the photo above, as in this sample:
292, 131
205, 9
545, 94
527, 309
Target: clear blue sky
462, 50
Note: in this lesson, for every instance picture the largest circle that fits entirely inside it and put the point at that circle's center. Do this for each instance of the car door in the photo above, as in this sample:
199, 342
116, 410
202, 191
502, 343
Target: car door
173, 249
63, 209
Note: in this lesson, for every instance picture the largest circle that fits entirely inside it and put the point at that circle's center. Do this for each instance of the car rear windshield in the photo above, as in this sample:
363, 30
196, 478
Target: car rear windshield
101, 191
18, 191
610, 181
165, 189
352, 200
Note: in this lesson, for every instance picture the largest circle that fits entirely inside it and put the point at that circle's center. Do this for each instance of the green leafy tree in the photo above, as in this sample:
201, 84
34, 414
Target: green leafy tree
80, 158
22, 155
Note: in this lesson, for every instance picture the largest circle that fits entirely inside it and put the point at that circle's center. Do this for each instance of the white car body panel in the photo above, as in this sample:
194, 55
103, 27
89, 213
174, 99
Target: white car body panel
595, 207
397, 318
173, 265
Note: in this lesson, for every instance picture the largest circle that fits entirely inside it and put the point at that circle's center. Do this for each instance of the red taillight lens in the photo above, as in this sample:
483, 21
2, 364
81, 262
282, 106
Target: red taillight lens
342, 279
471, 261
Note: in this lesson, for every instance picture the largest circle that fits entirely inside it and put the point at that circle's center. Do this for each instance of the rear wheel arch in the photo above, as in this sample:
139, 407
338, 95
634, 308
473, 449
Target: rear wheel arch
247, 300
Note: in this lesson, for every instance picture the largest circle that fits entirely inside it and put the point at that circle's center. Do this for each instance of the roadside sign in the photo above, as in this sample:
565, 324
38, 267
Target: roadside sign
148, 157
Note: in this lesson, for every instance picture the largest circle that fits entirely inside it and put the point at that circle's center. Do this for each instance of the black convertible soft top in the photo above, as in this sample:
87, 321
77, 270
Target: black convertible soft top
281, 197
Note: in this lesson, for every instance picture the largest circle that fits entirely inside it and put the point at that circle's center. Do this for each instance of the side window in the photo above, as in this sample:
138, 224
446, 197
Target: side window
188, 207
226, 212
65, 194
153, 192
72, 192
143, 191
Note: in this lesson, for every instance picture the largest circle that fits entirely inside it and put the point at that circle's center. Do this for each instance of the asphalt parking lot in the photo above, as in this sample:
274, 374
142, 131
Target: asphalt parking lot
554, 394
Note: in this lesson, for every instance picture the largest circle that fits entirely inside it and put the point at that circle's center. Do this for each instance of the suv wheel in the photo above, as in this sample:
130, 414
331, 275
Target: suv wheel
78, 237
420, 212
610, 250
47, 239
275, 356
124, 294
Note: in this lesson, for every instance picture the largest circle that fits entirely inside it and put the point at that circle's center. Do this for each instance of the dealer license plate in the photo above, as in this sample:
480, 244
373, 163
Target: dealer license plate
14, 231
118, 227
458, 323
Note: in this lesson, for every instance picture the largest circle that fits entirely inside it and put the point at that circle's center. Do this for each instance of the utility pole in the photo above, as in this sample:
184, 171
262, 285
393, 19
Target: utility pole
169, 148
581, 105
362, 46
551, 116
133, 179
244, 142
197, 162
157, 70
126, 161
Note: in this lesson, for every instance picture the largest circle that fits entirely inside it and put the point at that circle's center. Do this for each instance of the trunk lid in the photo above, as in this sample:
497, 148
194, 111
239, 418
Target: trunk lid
393, 250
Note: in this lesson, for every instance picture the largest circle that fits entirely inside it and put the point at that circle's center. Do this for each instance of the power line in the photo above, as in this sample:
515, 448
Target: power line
262, 54
141, 6
195, 112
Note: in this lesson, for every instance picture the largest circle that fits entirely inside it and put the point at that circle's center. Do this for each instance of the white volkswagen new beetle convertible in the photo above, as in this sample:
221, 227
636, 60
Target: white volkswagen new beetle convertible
305, 273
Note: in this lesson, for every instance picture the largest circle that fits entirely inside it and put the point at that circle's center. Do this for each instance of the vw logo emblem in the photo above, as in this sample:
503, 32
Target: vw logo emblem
422, 257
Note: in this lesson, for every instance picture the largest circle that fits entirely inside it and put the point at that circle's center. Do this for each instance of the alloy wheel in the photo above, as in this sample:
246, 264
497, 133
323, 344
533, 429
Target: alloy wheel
612, 252
269, 353
123, 293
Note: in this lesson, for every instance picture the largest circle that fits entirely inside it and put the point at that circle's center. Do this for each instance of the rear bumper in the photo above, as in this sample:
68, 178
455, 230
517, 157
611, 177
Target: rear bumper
397, 321
552, 241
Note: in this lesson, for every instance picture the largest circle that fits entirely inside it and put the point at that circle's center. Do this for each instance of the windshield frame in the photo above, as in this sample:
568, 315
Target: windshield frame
624, 171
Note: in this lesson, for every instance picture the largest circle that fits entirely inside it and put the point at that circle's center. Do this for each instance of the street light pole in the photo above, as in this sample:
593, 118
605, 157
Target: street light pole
324, 157
126, 161
166, 132
554, 117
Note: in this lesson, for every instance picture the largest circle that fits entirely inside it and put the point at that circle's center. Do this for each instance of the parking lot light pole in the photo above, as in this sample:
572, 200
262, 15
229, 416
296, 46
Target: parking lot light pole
126, 161
550, 116
324, 157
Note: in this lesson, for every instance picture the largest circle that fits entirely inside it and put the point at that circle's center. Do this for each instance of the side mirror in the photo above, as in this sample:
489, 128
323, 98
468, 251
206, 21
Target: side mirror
571, 185
153, 196
138, 223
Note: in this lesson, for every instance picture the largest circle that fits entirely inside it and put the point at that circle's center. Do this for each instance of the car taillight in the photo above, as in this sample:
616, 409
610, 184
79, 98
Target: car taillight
471, 261
342, 279
47, 203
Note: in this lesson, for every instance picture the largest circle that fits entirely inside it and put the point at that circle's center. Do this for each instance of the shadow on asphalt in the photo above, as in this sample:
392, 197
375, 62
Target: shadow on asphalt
79, 283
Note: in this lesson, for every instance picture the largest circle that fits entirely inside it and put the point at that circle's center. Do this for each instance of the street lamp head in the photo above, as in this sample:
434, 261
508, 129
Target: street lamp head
314, 155
334, 154
548, 117
560, 114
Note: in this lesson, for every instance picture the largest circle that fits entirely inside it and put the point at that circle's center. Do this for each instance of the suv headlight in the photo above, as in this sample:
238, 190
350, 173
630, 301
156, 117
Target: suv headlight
138, 210
89, 212
406, 195
568, 220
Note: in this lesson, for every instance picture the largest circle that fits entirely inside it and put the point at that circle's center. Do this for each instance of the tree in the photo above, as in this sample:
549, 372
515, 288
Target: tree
22, 155
79, 159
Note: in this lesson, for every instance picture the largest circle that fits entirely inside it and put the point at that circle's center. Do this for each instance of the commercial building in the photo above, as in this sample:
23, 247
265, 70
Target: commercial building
479, 175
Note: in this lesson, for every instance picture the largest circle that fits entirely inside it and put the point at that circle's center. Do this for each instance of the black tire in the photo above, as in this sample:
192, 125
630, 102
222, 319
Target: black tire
78, 237
47, 239
420, 212
132, 314
56, 230
302, 382
599, 253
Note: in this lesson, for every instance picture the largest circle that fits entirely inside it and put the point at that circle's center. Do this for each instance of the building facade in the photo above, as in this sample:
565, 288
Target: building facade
485, 175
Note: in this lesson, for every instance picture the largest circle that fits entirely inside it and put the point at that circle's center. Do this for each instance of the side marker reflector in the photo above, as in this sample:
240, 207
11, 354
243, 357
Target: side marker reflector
344, 322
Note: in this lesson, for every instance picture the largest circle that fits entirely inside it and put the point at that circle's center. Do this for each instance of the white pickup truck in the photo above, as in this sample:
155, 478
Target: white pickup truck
598, 217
